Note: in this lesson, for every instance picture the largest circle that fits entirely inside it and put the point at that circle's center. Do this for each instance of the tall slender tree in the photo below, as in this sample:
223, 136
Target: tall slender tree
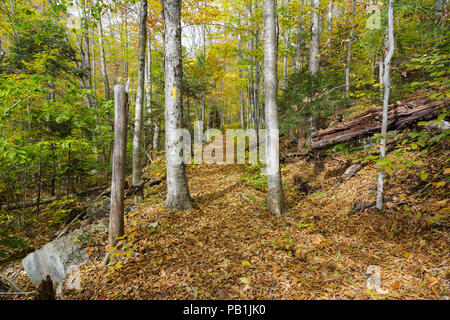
178, 197
137, 135
387, 87
103, 59
349, 52
148, 89
314, 56
314, 60
275, 196
298, 57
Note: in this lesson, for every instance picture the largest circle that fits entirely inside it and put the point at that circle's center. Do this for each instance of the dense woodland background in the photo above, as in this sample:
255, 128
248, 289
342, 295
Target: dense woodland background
60, 60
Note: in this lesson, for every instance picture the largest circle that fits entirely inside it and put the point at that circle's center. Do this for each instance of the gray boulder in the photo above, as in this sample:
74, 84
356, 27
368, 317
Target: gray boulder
57, 258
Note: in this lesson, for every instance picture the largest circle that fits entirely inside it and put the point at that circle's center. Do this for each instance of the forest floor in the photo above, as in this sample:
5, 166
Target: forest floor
230, 247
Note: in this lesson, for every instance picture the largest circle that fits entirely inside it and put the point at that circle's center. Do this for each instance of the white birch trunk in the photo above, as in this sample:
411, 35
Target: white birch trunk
148, 88
275, 197
349, 52
137, 134
103, 60
314, 57
298, 58
387, 87
178, 197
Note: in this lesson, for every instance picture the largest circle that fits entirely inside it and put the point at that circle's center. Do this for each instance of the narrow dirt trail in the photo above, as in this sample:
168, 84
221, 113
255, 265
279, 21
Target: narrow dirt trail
230, 247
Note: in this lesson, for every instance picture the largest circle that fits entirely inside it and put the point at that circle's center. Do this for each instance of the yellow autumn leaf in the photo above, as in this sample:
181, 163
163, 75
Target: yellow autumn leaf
440, 184
246, 263
447, 171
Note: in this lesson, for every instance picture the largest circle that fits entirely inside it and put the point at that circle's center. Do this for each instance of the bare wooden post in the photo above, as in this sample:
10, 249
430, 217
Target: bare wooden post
116, 225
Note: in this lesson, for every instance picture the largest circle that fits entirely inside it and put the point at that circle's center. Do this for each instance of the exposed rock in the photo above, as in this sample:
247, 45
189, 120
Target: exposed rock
151, 225
56, 257
374, 280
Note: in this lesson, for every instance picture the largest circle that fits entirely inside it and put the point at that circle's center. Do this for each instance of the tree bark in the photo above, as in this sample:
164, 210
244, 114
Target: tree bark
314, 57
178, 197
387, 87
298, 58
251, 87
103, 60
286, 55
314, 60
349, 52
86, 60
116, 219
156, 132
148, 89
241, 92
275, 197
139, 111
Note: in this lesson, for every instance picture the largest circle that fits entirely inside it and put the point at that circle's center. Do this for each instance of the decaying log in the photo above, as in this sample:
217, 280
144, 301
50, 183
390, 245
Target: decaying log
359, 207
401, 115
27, 204
132, 189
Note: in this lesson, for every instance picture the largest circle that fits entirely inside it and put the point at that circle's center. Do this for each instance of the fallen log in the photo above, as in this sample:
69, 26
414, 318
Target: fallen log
400, 116
27, 204
359, 207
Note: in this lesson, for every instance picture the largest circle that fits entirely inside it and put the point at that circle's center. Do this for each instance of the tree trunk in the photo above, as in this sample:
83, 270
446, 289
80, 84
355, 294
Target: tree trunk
103, 60
298, 58
241, 92
251, 88
137, 135
53, 183
86, 61
257, 82
148, 89
202, 98
178, 197
275, 197
125, 44
116, 220
387, 87
329, 21
156, 132
286, 55
314, 60
39, 182
314, 57
349, 52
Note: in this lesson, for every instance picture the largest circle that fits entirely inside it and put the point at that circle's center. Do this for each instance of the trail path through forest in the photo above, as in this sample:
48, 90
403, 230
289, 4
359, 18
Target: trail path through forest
230, 247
